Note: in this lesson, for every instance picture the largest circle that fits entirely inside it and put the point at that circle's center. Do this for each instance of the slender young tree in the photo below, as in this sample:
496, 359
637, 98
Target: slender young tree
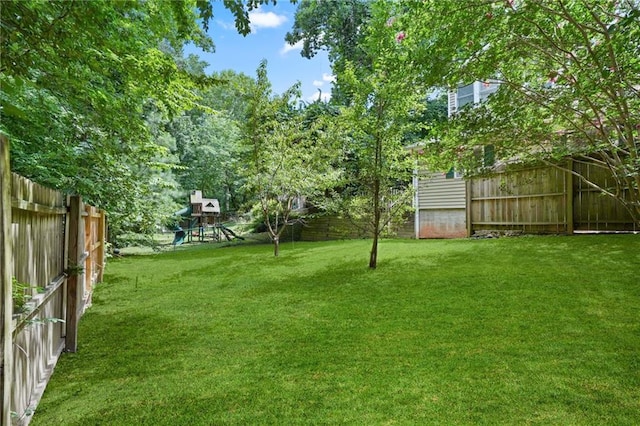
288, 156
382, 101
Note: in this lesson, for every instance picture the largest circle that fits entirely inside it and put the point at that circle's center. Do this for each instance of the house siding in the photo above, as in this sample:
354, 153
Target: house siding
437, 192
441, 207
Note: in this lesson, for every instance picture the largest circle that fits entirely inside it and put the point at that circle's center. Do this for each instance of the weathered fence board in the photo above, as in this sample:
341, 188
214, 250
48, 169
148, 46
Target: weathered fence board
593, 210
6, 299
324, 228
531, 200
38, 215
94, 233
329, 227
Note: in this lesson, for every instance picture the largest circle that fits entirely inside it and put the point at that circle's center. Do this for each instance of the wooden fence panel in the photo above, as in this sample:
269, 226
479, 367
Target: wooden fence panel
35, 249
38, 343
546, 199
38, 216
593, 210
530, 200
325, 228
38, 245
329, 227
94, 248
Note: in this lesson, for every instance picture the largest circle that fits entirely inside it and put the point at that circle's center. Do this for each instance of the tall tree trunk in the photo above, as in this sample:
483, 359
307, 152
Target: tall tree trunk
276, 245
373, 258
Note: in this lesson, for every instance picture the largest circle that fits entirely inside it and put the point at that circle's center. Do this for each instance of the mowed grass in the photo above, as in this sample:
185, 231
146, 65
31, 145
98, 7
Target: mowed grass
529, 330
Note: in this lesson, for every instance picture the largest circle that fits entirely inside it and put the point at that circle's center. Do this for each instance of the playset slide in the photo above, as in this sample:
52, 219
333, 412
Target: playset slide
228, 233
179, 237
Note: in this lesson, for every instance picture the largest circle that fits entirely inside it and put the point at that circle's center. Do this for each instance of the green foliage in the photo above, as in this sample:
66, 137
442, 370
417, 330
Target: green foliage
21, 294
240, 9
530, 330
74, 270
207, 141
336, 26
81, 76
87, 89
207, 147
230, 96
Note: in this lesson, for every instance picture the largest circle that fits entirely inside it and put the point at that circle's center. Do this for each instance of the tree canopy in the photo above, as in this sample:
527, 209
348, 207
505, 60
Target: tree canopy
81, 80
568, 75
334, 26
98, 99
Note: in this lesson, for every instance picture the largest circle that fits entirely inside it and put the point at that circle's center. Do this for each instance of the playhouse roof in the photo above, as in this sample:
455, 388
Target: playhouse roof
209, 205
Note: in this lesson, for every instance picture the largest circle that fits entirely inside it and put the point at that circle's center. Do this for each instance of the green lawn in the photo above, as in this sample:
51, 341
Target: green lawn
529, 330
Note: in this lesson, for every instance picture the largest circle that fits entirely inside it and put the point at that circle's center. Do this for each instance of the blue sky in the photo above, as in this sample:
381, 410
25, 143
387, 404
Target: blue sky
285, 66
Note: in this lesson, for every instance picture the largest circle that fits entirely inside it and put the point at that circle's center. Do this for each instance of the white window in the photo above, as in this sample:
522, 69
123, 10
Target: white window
485, 88
473, 93
465, 95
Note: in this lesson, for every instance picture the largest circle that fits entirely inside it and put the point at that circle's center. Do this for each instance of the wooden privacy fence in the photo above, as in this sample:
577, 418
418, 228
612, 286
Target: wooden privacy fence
545, 199
53, 245
331, 227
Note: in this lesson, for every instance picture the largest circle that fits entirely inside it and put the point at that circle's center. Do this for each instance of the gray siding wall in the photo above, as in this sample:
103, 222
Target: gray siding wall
436, 192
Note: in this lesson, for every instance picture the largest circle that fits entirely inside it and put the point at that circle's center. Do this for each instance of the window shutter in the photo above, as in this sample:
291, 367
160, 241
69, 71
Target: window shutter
450, 174
489, 155
452, 102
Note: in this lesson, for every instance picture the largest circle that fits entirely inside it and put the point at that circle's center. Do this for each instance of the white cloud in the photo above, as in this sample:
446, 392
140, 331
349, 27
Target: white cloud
328, 77
286, 48
323, 96
260, 19
226, 25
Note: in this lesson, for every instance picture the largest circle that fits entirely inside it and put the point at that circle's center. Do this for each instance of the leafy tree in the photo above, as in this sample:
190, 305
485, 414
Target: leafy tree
208, 148
208, 139
378, 118
288, 155
336, 26
569, 74
230, 95
77, 79
429, 119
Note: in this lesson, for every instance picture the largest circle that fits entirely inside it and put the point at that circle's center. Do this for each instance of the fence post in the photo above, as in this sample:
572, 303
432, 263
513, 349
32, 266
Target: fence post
6, 298
102, 227
89, 246
469, 198
75, 252
569, 194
